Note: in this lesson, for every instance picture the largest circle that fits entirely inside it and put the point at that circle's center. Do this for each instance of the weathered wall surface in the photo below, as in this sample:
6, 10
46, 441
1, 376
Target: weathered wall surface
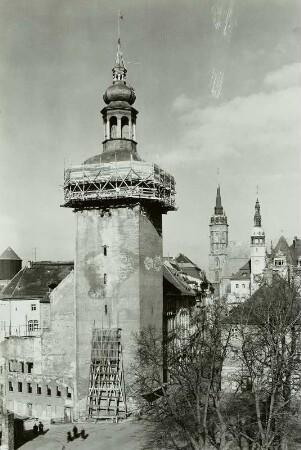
151, 268
58, 341
115, 287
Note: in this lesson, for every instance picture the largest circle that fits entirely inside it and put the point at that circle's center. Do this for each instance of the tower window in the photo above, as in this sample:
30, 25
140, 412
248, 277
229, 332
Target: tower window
113, 127
29, 388
39, 389
125, 128
278, 262
48, 390
10, 386
105, 250
105, 278
106, 309
20, 387
58, 392
68, 393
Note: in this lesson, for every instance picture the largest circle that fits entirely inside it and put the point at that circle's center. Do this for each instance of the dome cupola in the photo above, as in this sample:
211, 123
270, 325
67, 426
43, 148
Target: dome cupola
119, 91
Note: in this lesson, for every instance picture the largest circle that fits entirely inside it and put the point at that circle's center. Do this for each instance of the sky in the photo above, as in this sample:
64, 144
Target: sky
218, 93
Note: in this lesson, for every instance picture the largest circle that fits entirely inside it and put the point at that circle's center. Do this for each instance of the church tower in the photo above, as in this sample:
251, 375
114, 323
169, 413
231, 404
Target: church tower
118, 200
258, 250
218, 241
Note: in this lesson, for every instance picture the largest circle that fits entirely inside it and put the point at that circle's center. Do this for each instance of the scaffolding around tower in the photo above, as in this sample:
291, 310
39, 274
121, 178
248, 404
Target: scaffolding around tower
106, 396
87, 184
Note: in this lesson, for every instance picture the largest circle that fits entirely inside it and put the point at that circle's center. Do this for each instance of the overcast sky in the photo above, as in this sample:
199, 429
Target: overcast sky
217, 85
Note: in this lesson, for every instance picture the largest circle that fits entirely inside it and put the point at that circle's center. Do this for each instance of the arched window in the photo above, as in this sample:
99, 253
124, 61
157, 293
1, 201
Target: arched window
113, 127
125, 128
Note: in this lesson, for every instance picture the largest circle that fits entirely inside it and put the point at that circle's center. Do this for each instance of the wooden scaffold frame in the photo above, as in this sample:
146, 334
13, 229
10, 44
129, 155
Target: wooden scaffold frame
106, 396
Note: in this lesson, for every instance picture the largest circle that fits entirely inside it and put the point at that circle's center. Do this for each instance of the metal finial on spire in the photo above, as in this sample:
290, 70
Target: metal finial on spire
119, 70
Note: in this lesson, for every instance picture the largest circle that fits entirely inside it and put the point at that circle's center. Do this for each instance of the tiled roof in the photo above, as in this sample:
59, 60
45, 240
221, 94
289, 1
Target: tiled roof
35, 280
10, 254
256, 308
176, 279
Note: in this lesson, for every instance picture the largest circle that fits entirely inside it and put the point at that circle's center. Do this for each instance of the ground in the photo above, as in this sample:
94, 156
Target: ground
127, 435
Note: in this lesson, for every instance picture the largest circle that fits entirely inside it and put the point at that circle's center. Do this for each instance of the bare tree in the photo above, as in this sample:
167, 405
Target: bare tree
268, 385
186, 409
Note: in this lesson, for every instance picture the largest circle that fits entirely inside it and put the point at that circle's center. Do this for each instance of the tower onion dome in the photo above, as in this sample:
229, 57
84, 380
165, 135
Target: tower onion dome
119, 91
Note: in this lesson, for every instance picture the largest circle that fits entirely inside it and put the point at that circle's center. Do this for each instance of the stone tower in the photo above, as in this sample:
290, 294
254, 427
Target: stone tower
118, 200
258, 250
218, 241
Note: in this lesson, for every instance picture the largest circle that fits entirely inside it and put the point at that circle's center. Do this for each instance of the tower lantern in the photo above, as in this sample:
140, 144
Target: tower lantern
118, 200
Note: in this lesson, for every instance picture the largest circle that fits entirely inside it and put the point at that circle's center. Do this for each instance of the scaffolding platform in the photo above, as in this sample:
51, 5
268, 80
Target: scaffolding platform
106, 396
105, 182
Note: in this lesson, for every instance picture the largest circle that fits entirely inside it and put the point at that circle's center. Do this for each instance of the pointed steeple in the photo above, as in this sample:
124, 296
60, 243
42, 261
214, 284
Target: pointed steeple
119, 70
218, 203
257, 215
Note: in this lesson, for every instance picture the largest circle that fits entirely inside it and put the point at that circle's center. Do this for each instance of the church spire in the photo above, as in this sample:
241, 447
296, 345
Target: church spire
218, 203
257, 215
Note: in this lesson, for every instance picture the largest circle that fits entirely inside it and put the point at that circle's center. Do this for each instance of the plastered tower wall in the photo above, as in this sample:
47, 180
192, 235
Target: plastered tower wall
258, 250
218, 241
120, 287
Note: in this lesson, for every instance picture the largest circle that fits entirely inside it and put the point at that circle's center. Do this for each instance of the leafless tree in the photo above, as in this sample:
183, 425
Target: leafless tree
264, 410
186, 408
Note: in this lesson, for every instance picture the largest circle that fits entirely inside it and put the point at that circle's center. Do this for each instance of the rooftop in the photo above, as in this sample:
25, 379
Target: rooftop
10, 254
36, 280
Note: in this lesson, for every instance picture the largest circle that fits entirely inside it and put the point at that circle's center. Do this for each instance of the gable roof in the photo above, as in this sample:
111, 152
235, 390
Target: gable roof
282, 247
185, 264
36, 280
176, 279
244, 273
10, 254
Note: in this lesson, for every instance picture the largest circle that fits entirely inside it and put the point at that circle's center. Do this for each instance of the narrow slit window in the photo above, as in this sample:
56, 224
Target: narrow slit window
105, 278
105, 251
106, 309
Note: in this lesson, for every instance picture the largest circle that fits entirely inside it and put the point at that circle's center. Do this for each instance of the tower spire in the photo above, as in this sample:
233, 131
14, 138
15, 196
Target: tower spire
257, 215
218, 203
119, 70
